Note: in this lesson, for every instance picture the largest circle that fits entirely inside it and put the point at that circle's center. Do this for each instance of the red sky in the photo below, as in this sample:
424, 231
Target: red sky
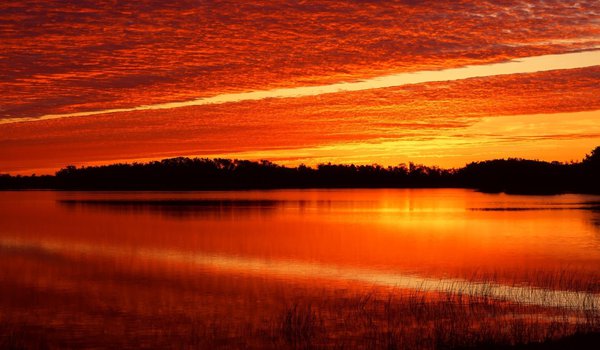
88, 57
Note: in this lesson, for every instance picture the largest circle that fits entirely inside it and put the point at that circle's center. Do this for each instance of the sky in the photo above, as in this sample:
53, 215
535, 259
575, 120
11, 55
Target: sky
388, 82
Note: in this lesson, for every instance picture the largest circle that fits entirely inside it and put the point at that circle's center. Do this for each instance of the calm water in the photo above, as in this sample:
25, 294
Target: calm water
98, 265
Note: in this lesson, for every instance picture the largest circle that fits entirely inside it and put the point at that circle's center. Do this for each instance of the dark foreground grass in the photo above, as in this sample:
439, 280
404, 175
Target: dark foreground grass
348, 320
576, 341
428, 321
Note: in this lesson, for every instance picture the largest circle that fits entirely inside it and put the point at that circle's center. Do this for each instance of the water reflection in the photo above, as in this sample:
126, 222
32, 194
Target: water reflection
80, 261
595, 222
177, 207
431, 232
293, 269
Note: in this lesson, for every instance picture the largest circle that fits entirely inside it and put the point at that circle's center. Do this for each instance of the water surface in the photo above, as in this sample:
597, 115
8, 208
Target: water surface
128, 263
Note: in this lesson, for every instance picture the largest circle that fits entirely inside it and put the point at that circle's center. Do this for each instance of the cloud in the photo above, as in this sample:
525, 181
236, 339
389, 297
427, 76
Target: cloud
411, 116
103, 55
521, 66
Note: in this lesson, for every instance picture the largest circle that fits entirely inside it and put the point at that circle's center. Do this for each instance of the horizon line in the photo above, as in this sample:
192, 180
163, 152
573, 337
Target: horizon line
147, 161
524, 65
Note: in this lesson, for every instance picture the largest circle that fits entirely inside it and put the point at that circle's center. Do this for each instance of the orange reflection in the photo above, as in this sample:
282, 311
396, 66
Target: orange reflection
438, 233
120, 268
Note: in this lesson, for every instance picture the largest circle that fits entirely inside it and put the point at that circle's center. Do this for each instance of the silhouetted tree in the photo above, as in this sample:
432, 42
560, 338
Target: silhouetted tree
499, 175
593, 158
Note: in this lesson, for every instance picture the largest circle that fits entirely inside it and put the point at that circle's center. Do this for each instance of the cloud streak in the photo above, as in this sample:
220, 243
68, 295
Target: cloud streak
521, 66
415, 118
243, 78
65, 57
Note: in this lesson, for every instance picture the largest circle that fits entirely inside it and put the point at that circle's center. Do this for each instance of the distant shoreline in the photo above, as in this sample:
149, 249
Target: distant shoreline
236, 189
511, 176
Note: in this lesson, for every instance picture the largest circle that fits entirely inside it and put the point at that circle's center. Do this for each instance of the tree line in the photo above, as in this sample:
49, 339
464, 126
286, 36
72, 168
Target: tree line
499, 175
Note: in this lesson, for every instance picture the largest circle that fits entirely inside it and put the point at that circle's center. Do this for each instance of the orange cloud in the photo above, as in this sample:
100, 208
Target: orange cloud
416, 116
72, 56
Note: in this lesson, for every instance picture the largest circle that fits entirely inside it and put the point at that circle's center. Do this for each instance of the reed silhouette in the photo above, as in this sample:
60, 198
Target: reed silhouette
500, 175
380, 319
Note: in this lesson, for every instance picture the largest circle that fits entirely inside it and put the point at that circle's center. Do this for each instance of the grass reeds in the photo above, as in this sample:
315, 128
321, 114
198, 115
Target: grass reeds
418, 320
452, 316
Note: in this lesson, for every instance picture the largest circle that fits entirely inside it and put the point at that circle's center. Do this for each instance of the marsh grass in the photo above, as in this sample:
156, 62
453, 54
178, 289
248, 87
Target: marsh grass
426, 320
378, 318
300, 325
570, 278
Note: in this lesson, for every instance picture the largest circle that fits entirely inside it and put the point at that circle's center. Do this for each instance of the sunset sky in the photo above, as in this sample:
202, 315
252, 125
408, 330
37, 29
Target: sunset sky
434, 82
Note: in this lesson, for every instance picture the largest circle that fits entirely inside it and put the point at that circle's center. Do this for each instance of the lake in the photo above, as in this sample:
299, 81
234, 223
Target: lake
145, 269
